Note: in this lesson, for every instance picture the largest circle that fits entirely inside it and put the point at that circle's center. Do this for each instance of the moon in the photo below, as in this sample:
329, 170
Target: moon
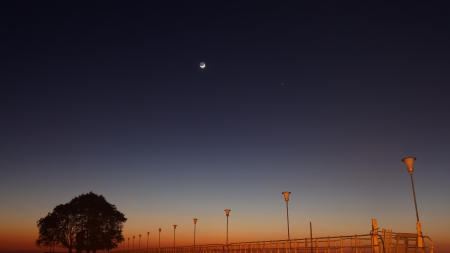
202, 65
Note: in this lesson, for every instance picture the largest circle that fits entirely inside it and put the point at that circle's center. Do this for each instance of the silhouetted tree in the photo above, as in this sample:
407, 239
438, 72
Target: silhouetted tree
88, 222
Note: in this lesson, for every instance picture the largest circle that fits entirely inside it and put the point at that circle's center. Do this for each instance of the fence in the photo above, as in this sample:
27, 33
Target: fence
375, 242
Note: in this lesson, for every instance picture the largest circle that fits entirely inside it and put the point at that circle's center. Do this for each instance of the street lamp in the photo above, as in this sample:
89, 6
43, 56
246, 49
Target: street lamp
286, 198
148, 235
133, 242
139, 242
227, 213
409, 162
174, 228
159, 239
195, 225
128, 243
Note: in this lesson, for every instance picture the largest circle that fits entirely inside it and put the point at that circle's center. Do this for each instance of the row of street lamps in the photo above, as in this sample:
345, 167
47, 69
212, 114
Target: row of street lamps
227, 213
148, 235
409, 161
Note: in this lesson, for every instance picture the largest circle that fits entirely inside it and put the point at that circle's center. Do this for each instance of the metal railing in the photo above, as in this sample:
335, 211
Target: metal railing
389, 243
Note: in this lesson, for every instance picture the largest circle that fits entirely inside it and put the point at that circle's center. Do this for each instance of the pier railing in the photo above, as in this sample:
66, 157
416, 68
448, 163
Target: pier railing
384, 241
388, 242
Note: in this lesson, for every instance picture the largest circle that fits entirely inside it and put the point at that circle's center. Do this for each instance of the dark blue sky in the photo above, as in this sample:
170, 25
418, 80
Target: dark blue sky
317, 97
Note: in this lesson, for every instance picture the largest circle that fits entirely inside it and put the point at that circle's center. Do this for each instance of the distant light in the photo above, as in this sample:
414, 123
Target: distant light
202, 65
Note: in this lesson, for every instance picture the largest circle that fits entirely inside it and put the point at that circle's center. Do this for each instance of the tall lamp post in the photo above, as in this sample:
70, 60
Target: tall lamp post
286, 198
195, 225
148, 235
409, 162
159, 239
139, 242
174, 228
227, 213
133, 242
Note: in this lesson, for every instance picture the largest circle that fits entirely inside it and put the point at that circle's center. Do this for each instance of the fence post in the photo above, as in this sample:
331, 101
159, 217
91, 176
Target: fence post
328, 245
317, 245
420, 242
375, 247
306, 245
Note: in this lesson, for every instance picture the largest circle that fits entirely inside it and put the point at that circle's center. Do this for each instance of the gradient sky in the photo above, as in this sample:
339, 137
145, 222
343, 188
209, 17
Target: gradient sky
319, 98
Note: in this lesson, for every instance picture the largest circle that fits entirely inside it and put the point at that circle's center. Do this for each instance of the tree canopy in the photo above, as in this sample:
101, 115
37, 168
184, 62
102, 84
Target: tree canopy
88, 222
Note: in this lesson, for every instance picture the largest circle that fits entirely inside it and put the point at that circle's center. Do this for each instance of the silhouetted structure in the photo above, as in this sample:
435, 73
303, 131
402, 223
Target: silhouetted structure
87, 223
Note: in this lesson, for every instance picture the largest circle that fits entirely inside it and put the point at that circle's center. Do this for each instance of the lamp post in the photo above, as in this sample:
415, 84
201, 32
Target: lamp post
227, 213
133, 242
409, 162
159, 239
139, 242
148, 235
195, 225
174, 228
128, 243
286, 198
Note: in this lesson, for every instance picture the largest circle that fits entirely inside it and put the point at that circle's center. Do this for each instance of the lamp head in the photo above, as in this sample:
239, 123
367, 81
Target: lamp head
148, 233
286, 195
159, 230
174, 226
409, 161
195, 220
227, 212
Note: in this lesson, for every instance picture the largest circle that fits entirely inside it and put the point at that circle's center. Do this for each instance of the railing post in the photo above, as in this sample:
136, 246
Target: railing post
375, 247
328, 245
351, 244
306, 245
420, 242
317, 245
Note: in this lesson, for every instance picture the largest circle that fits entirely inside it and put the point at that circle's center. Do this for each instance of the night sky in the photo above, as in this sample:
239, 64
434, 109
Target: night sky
320, 98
